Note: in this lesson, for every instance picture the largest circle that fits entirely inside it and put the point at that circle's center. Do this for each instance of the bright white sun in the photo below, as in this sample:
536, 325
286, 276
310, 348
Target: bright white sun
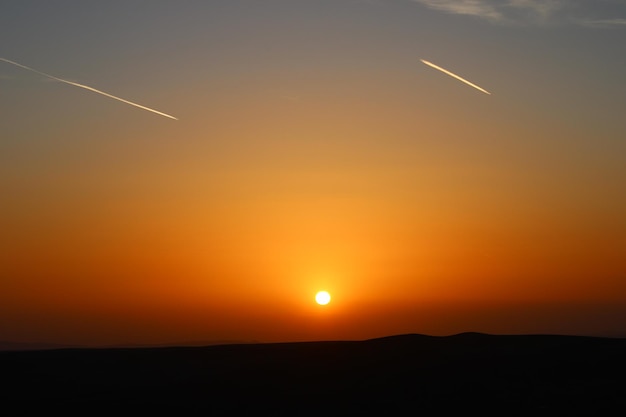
322, 298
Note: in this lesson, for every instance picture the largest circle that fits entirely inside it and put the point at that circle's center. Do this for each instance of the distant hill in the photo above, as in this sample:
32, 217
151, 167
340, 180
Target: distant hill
6, 345
17, 346
468, 373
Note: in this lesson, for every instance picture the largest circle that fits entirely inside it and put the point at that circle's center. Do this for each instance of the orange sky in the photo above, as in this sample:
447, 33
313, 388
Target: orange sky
313, 151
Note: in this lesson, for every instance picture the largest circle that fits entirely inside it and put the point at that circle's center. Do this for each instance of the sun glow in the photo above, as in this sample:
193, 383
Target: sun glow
322, 298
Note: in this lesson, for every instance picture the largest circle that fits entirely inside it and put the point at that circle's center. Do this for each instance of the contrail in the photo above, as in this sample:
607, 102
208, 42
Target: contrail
86, 87
430, 64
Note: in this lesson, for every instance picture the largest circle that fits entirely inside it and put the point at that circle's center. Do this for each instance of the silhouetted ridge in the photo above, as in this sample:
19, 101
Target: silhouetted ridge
408, 374
401, 337
12, 346
471, 334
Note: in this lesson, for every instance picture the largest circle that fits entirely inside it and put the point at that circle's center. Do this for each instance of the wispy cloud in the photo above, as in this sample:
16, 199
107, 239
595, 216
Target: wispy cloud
542, 9
479, 8
605, 23
86, 87
531, 11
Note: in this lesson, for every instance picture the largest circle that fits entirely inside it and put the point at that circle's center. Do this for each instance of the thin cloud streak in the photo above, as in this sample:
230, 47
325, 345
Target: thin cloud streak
532, 11
540, 8
466, 7
495, 9
430, 64
605, 23
86, 87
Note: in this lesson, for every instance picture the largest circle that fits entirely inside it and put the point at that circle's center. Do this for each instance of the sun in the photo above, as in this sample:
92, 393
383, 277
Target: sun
322, 298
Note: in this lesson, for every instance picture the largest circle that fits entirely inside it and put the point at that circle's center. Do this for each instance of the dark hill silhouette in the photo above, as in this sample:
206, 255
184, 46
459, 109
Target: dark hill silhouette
397, 375
7, 346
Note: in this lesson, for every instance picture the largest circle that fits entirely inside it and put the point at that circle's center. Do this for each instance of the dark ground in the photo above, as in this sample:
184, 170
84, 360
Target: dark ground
401, 375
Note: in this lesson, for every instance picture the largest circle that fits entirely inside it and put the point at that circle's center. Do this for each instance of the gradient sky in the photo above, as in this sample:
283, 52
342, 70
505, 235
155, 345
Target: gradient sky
314, 151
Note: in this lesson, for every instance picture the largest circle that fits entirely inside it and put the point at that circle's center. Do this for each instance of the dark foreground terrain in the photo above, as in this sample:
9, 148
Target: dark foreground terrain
400, 375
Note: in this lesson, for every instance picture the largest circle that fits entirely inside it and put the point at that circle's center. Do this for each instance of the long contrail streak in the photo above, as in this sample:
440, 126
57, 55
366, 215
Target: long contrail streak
86, 87
430, 64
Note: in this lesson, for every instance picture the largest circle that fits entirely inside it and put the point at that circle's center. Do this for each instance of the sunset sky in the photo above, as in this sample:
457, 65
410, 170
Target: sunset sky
314, 151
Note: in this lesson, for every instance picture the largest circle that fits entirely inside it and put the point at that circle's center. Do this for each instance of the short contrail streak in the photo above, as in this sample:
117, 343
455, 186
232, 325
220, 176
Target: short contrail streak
86, 87
430, 64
